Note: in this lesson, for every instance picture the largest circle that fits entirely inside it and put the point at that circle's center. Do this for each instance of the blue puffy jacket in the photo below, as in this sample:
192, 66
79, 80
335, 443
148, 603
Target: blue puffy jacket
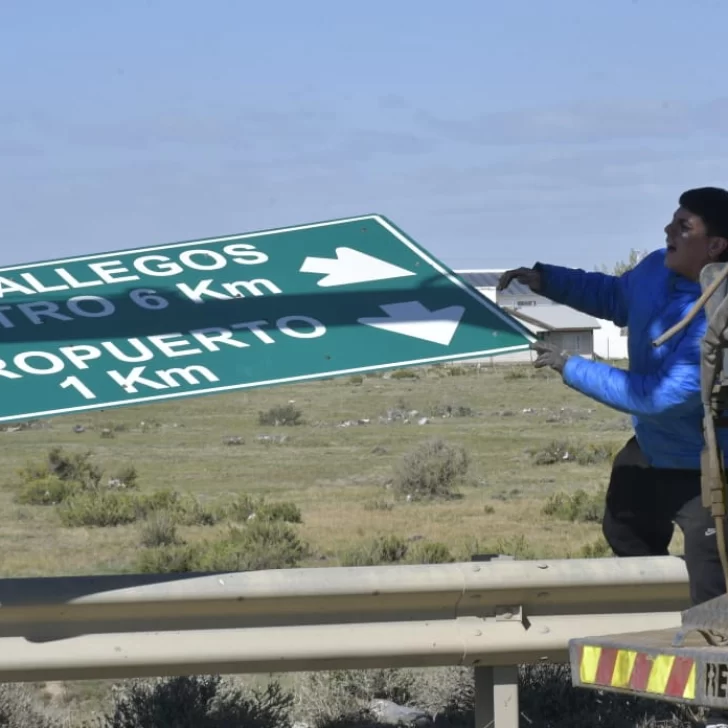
661, 390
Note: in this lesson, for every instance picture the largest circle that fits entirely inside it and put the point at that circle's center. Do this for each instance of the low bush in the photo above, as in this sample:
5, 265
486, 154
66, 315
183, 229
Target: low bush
517, 546
48, 490
452, 410
581, 506
285, 414
378, 504
281, 511
60, 475
458, 371
392, 549
168, 559
187, 510
244, 507
430, 552
105, 508
258, 545
404, 374
199, 702
159, 529
433, 470
597, 549
74, 466
513, 374
580, 453
100, 509
63, 475
126, 478
547, 699
381, 550
20, 708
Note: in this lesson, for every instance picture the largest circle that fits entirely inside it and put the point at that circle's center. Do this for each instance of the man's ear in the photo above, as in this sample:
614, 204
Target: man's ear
718, 248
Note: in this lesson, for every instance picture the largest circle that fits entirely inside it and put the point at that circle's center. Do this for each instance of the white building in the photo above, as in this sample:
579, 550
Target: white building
570, 329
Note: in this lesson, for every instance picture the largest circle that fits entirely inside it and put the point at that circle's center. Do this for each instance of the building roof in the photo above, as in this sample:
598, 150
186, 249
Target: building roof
489, 279
532, 327
554, 318
537, 319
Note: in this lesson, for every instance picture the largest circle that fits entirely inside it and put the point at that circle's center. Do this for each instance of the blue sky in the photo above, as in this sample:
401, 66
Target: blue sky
494, 133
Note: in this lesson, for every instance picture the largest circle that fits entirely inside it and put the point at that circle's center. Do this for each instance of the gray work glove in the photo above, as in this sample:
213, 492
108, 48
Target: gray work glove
549, 355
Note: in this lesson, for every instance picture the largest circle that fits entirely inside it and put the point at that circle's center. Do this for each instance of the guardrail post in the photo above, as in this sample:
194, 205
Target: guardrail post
496, 688
496, 697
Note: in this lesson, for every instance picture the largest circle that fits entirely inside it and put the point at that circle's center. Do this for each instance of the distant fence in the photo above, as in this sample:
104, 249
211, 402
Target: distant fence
490, 615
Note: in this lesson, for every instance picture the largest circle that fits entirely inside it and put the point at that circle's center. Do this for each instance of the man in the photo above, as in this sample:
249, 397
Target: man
655, 478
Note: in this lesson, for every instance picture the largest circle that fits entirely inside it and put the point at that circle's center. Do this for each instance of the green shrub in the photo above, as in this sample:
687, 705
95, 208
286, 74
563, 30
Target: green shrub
431, 471
74, 466
159, 529
452, 410
48, 490
381, 550
241, 508
516, 546
513, 374
127, 477
338, 699
170, 559
285, 414
259, 545
356, 379
430, 553
404, 374
113, 426
199, 702
378, 504
457, 371
245, 506
546, 695
114, 508
188, 511
280, 511
580, 506
156, 501
68, 467
20, 708
597, 549
62, 475
98, 509
580, 453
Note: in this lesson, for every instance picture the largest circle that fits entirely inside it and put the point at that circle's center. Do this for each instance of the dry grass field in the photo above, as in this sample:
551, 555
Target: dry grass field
504, 449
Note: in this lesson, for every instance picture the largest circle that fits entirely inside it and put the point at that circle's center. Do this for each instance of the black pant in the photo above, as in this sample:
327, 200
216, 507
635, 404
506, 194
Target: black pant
644, 503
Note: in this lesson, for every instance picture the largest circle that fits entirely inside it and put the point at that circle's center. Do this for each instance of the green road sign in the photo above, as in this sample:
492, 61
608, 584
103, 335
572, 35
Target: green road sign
229, 313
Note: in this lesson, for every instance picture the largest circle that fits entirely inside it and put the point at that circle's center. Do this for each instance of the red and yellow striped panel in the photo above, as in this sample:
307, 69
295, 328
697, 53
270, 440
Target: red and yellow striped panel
667, 675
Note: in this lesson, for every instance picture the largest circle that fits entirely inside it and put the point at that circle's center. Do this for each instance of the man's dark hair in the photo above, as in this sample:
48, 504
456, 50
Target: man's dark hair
711, 205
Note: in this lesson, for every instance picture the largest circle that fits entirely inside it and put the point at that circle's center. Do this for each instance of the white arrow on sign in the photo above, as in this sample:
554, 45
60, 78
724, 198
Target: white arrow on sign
351, 266
411, 318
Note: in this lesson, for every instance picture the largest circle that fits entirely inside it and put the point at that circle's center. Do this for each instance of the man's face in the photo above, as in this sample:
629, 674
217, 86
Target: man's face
689, 247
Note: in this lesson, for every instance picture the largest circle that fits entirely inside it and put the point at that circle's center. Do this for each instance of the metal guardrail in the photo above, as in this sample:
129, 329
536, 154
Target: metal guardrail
493, 616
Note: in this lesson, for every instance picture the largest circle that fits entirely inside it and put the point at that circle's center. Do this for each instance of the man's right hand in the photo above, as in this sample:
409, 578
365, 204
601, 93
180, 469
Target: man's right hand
527, 276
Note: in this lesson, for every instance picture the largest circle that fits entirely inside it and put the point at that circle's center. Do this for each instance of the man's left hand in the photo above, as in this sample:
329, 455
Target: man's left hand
549, 355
